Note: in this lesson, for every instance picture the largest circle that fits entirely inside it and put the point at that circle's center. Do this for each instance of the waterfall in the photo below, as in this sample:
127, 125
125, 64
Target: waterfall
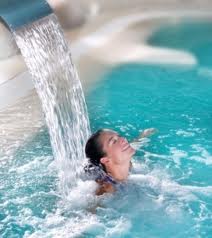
47, 56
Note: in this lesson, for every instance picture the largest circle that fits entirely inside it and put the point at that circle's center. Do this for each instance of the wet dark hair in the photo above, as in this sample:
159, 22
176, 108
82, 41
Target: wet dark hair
93, 149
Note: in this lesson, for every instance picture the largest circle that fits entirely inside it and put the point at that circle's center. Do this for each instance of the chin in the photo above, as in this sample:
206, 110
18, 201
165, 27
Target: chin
132, 151
129, 153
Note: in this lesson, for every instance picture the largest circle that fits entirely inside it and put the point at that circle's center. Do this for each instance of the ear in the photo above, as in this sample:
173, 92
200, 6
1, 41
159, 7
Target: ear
104, 160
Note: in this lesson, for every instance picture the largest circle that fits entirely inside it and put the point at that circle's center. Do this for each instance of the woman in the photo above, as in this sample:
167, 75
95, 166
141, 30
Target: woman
110, 157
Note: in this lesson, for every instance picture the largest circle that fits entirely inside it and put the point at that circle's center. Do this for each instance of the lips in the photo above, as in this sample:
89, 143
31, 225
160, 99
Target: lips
126, 147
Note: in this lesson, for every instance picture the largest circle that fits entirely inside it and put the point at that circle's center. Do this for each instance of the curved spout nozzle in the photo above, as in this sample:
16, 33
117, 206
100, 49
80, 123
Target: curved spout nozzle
17, 13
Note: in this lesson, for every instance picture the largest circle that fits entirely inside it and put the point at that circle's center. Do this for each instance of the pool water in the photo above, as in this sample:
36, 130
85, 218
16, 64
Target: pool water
174, 185
169, 191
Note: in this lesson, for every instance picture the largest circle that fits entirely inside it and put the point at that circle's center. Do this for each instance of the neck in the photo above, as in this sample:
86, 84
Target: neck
119, 173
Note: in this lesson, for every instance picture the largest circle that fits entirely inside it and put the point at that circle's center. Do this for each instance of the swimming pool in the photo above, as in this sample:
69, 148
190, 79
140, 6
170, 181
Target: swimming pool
169, 193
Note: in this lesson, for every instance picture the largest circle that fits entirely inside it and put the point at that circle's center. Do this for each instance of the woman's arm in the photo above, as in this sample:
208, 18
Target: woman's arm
146, 133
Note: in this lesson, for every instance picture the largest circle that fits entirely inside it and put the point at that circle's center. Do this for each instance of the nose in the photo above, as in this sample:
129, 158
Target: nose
123, 140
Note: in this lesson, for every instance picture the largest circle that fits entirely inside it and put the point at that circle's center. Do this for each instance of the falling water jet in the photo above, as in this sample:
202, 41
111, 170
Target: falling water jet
47, 55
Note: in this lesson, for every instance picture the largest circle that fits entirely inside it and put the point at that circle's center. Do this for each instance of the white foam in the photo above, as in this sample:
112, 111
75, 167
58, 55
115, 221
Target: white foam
118, 228
207, 190
174, 211
177, 155
149, 154
164, 187
36, 163
205, 157
81, 196
71, 218
58, 226
185, 133
204, 160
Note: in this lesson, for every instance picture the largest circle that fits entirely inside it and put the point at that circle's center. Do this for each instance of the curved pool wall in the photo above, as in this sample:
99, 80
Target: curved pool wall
90, 51
14, 15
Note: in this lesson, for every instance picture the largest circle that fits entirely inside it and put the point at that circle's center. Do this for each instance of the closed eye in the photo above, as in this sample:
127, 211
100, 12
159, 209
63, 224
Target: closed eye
113, 139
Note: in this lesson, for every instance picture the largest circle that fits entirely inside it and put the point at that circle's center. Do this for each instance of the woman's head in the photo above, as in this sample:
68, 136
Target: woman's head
108, 148
93, 148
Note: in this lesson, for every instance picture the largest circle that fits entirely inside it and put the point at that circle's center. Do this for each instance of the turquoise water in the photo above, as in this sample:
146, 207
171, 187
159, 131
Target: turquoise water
178, 160
168, 194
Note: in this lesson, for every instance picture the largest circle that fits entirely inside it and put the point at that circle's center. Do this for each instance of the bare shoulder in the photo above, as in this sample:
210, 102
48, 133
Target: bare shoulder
104, 187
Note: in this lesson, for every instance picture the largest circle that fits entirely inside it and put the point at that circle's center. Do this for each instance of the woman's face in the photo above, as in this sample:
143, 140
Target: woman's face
116, 147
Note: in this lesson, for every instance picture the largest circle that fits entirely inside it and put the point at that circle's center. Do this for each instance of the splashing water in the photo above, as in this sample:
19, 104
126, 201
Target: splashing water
48, 58
169, 190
